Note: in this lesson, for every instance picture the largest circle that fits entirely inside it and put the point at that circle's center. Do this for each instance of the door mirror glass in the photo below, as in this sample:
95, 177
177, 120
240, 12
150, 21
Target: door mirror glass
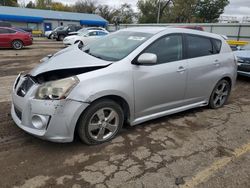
147, 58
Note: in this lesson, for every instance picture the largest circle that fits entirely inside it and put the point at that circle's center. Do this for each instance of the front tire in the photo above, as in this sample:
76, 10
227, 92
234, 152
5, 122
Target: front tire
17, 44
100, 122
220, 94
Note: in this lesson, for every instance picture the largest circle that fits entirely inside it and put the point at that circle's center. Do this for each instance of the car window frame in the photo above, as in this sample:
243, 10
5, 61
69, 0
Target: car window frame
8, 33
201, 36
135, 60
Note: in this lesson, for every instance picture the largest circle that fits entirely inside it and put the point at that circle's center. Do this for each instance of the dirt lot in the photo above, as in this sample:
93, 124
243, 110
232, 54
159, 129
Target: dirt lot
197, 148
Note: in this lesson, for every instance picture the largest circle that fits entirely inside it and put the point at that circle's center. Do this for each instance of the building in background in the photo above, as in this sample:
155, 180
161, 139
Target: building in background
45, 20
246, 19
228, 19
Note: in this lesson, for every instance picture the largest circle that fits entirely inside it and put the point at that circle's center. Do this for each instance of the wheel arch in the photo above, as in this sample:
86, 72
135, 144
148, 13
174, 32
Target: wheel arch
116, 98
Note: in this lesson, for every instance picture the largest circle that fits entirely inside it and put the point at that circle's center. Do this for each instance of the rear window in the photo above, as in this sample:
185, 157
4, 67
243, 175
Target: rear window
217, 46
20, 30
6, 31
198, 46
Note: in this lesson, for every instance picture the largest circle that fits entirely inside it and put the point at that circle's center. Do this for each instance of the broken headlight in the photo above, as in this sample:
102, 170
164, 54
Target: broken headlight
57, 90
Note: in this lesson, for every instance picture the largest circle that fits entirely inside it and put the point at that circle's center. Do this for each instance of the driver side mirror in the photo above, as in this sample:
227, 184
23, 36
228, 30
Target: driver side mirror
147, 58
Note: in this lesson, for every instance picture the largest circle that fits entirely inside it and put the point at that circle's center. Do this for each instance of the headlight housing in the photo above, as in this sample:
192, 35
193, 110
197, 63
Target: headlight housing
56, 90
240, 60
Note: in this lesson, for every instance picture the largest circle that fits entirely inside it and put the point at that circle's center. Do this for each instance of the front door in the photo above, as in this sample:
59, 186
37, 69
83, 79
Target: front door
161, 86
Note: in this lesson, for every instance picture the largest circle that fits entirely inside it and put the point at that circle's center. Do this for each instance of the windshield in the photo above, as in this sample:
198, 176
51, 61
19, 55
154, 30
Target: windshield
247, 47
82, 33
116, 46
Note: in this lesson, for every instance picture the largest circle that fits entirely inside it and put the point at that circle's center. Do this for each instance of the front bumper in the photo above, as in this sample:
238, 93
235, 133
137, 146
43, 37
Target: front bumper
244, 69
61, 116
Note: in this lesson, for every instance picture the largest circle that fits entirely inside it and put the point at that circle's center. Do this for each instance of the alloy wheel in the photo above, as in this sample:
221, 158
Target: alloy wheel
103, 124
221, 94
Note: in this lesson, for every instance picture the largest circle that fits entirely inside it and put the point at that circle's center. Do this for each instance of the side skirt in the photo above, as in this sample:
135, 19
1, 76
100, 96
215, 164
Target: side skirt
168, 112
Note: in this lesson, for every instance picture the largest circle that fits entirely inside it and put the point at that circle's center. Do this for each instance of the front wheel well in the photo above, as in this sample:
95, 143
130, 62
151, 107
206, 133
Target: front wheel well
121, 101
228, 79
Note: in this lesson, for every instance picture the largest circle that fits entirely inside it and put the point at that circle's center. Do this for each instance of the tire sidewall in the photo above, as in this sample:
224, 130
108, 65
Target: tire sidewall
84, 119
211, 103
20, 42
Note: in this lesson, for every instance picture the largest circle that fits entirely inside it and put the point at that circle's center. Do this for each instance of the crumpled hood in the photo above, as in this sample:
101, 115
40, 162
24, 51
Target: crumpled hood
242, 53
68, 58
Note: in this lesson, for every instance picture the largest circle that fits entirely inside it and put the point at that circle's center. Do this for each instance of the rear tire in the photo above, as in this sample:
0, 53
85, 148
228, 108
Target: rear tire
100, 122
17, 44
61, 37
220, 94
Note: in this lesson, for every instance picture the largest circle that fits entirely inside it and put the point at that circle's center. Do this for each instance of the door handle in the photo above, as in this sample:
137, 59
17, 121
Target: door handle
181, 69
217, 63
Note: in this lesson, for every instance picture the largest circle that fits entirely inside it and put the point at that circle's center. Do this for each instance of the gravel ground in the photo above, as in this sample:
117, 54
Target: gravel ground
196, 148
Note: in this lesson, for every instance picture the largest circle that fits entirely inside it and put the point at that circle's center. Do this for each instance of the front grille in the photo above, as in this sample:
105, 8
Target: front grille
244, 60
25, 86
18, 113
244, 68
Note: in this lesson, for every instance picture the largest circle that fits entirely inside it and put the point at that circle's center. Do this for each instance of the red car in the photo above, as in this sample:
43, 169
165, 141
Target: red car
11, 37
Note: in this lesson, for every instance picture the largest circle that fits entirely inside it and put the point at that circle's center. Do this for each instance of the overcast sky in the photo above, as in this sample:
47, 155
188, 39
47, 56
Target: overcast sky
235, 8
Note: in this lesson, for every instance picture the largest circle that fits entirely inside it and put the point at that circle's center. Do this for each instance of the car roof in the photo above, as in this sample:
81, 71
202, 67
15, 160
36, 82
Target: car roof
155, 30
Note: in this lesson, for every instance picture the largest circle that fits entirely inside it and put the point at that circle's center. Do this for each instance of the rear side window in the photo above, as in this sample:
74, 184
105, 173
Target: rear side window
4, 31
198, 46
100, 33
167, 49
217, 46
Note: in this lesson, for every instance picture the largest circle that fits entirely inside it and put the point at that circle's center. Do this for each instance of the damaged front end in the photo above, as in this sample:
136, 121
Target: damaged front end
39, 99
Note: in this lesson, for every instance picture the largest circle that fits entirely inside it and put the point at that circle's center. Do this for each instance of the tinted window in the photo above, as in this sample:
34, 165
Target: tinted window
101, 33
217, 46
11, 31
94, 33
167, 49
198, 46
4, 31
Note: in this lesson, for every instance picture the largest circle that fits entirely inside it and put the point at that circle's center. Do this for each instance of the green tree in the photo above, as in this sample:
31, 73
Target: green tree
12, 3
107, 12
85, 6
148, 10
183, 11
126, 13
31, 5
209, 11
43, 4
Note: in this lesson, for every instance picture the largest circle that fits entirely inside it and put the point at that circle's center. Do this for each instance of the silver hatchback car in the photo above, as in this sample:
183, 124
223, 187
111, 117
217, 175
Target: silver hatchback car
133, 75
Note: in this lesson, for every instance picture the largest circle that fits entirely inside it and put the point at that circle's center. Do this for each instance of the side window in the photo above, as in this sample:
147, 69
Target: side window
4, 31
217, 46
100, 33
198, 46
167, 49
93, 33
11, 31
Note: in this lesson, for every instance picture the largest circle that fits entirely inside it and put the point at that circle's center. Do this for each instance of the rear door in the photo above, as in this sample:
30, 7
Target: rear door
204, 67
5, 37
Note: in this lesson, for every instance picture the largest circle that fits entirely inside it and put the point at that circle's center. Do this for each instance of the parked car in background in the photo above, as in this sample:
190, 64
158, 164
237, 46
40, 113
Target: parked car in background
83, 30
133, 75
243, 58
59, 35
49, 34
84, 38
15, 38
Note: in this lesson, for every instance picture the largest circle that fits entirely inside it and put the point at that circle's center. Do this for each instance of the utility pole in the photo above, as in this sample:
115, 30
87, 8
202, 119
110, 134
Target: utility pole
159, 12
